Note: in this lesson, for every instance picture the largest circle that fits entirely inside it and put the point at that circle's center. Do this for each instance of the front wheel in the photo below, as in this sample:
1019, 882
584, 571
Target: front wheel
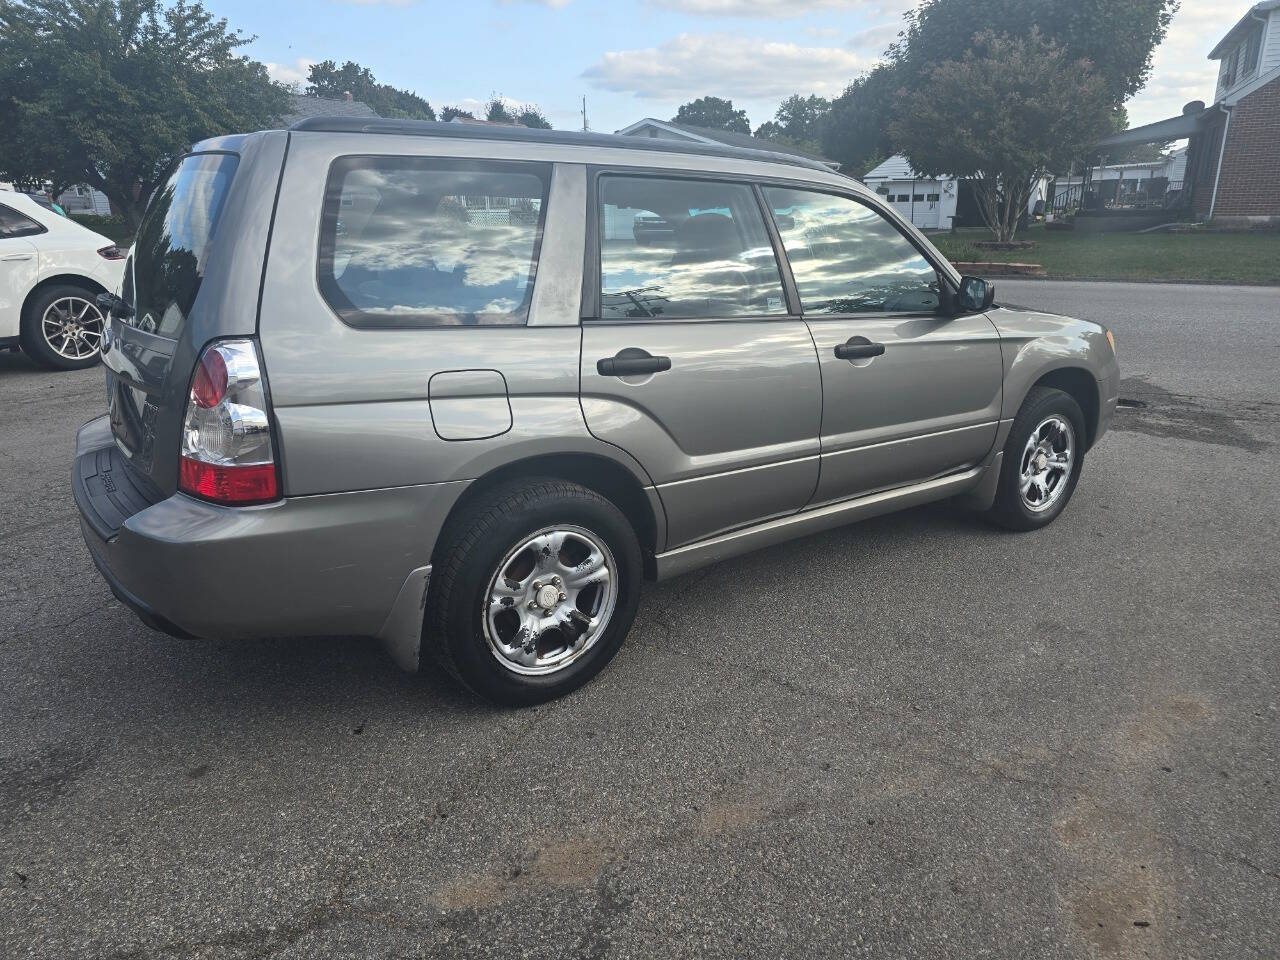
1042, 461
536, 585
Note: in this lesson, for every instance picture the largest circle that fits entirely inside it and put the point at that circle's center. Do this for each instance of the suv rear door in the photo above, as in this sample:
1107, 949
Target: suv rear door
691, 360
909, 392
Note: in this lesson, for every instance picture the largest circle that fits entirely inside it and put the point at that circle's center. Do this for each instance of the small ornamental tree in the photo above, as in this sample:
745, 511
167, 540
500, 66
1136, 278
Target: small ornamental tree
111, 92
714, 113
999, 117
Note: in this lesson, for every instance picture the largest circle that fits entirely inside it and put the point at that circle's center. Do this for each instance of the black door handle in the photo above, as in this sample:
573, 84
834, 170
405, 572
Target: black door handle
858, 348
630, 362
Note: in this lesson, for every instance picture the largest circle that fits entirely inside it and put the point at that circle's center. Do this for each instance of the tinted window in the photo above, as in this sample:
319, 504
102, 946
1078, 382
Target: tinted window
408, 241
173, 241
847, 258
16, 224
684, 248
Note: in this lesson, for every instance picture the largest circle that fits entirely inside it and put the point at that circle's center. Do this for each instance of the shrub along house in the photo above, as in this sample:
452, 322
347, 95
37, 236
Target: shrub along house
1233, 156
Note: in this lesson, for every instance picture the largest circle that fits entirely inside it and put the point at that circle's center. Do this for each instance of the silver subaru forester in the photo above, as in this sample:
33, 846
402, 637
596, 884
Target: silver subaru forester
463, 387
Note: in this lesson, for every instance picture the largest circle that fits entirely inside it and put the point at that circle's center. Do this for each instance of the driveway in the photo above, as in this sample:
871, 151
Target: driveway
917, 737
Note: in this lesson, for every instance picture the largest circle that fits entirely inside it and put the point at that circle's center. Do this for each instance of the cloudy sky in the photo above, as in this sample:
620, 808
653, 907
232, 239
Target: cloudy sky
637, 58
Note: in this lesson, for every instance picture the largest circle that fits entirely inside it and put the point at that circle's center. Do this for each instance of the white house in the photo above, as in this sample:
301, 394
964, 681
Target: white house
929, 203
1131, 179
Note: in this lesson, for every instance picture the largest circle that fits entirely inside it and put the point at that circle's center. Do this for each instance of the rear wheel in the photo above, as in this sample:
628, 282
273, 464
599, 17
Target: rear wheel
1042, 461
535, 589
62, 327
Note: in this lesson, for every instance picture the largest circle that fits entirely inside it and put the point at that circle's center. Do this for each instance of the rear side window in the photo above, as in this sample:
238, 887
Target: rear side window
173, 241
684, 249
847, 258
413, 242
14, 224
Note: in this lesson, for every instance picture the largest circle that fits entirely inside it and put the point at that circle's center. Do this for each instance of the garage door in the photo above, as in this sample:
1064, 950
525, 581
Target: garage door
920, 204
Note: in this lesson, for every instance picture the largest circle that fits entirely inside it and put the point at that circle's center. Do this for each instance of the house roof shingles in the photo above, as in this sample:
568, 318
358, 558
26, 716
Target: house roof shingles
302, 107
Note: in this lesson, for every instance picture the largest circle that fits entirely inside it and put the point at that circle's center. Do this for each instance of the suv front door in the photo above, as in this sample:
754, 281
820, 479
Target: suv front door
690, 359
909, 393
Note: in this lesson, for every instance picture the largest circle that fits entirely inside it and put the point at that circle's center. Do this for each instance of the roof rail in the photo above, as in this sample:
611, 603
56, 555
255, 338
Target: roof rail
511, 134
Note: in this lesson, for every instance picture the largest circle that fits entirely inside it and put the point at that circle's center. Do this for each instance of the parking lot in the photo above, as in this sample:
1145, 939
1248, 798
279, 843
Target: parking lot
916, 737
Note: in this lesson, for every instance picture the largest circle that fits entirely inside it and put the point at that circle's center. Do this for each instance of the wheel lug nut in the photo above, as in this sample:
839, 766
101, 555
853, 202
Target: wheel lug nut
563, 598
537, 584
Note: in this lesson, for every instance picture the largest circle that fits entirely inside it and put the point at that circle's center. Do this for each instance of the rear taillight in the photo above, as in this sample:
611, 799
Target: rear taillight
112, 253
227, 455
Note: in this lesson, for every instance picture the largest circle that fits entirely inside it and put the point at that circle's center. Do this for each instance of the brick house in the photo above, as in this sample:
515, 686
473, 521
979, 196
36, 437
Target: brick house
1233, 160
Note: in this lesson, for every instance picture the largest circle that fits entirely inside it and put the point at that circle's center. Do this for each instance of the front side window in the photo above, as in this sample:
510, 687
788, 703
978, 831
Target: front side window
684, 249
14, 224
847, 258
413, 241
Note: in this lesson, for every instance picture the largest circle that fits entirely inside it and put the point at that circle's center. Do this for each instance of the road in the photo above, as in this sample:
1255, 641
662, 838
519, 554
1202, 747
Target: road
917, 737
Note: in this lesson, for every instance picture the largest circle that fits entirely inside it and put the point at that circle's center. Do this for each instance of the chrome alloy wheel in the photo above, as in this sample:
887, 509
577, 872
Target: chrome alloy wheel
72, 327
1047, 459
550, 600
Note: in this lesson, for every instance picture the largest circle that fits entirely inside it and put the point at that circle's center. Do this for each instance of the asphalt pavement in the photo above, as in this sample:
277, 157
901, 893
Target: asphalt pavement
915, 737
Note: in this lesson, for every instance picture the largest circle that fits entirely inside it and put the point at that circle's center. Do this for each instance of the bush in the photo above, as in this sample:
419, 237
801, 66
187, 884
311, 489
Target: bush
113, 228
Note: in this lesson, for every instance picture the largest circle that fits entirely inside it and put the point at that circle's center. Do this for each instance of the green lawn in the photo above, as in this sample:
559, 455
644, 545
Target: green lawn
1222, 257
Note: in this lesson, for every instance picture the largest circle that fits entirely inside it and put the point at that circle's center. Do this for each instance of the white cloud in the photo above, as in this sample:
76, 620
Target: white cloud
1180, 69
294, 74
770, 9
724, 65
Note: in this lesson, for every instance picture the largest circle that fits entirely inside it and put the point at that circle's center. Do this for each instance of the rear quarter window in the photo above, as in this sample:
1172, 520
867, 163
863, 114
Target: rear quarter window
422, 242
173, 241
14, 224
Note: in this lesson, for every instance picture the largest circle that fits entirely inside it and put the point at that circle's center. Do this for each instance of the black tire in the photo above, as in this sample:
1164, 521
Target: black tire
33, 340
469, 552
1009, 510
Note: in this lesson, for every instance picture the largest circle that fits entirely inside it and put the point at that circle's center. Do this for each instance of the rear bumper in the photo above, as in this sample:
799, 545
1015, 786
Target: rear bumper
318, 565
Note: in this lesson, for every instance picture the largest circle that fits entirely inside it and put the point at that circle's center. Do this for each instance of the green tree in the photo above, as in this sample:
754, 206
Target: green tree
451, 113
714, 113
110, 92
331, 81
498, 110
1116, 36
1002, 108
798, 121
856, 128
531, 116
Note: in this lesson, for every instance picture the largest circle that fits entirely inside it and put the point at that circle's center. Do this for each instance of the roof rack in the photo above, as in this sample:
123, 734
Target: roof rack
509, 134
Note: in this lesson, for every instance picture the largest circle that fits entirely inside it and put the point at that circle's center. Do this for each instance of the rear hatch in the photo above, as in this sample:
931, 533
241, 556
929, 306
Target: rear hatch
179, 267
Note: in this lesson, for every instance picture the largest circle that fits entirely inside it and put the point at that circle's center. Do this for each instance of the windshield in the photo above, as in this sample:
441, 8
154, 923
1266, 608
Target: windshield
173, 240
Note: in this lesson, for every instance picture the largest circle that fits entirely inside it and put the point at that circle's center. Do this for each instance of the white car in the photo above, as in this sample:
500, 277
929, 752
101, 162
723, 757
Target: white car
51, 272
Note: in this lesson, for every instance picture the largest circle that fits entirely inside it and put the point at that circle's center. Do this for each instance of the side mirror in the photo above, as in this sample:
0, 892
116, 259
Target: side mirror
975, 294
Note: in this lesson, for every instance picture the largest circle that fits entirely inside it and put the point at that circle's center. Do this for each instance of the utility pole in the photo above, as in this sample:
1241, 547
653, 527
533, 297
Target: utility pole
584, 113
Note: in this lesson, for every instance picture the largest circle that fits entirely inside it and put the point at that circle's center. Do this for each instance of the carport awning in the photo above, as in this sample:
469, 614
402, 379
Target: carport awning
1175, 128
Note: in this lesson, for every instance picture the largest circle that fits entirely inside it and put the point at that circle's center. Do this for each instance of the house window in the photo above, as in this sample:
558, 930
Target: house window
933, 197
1229, 67
1251, 47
